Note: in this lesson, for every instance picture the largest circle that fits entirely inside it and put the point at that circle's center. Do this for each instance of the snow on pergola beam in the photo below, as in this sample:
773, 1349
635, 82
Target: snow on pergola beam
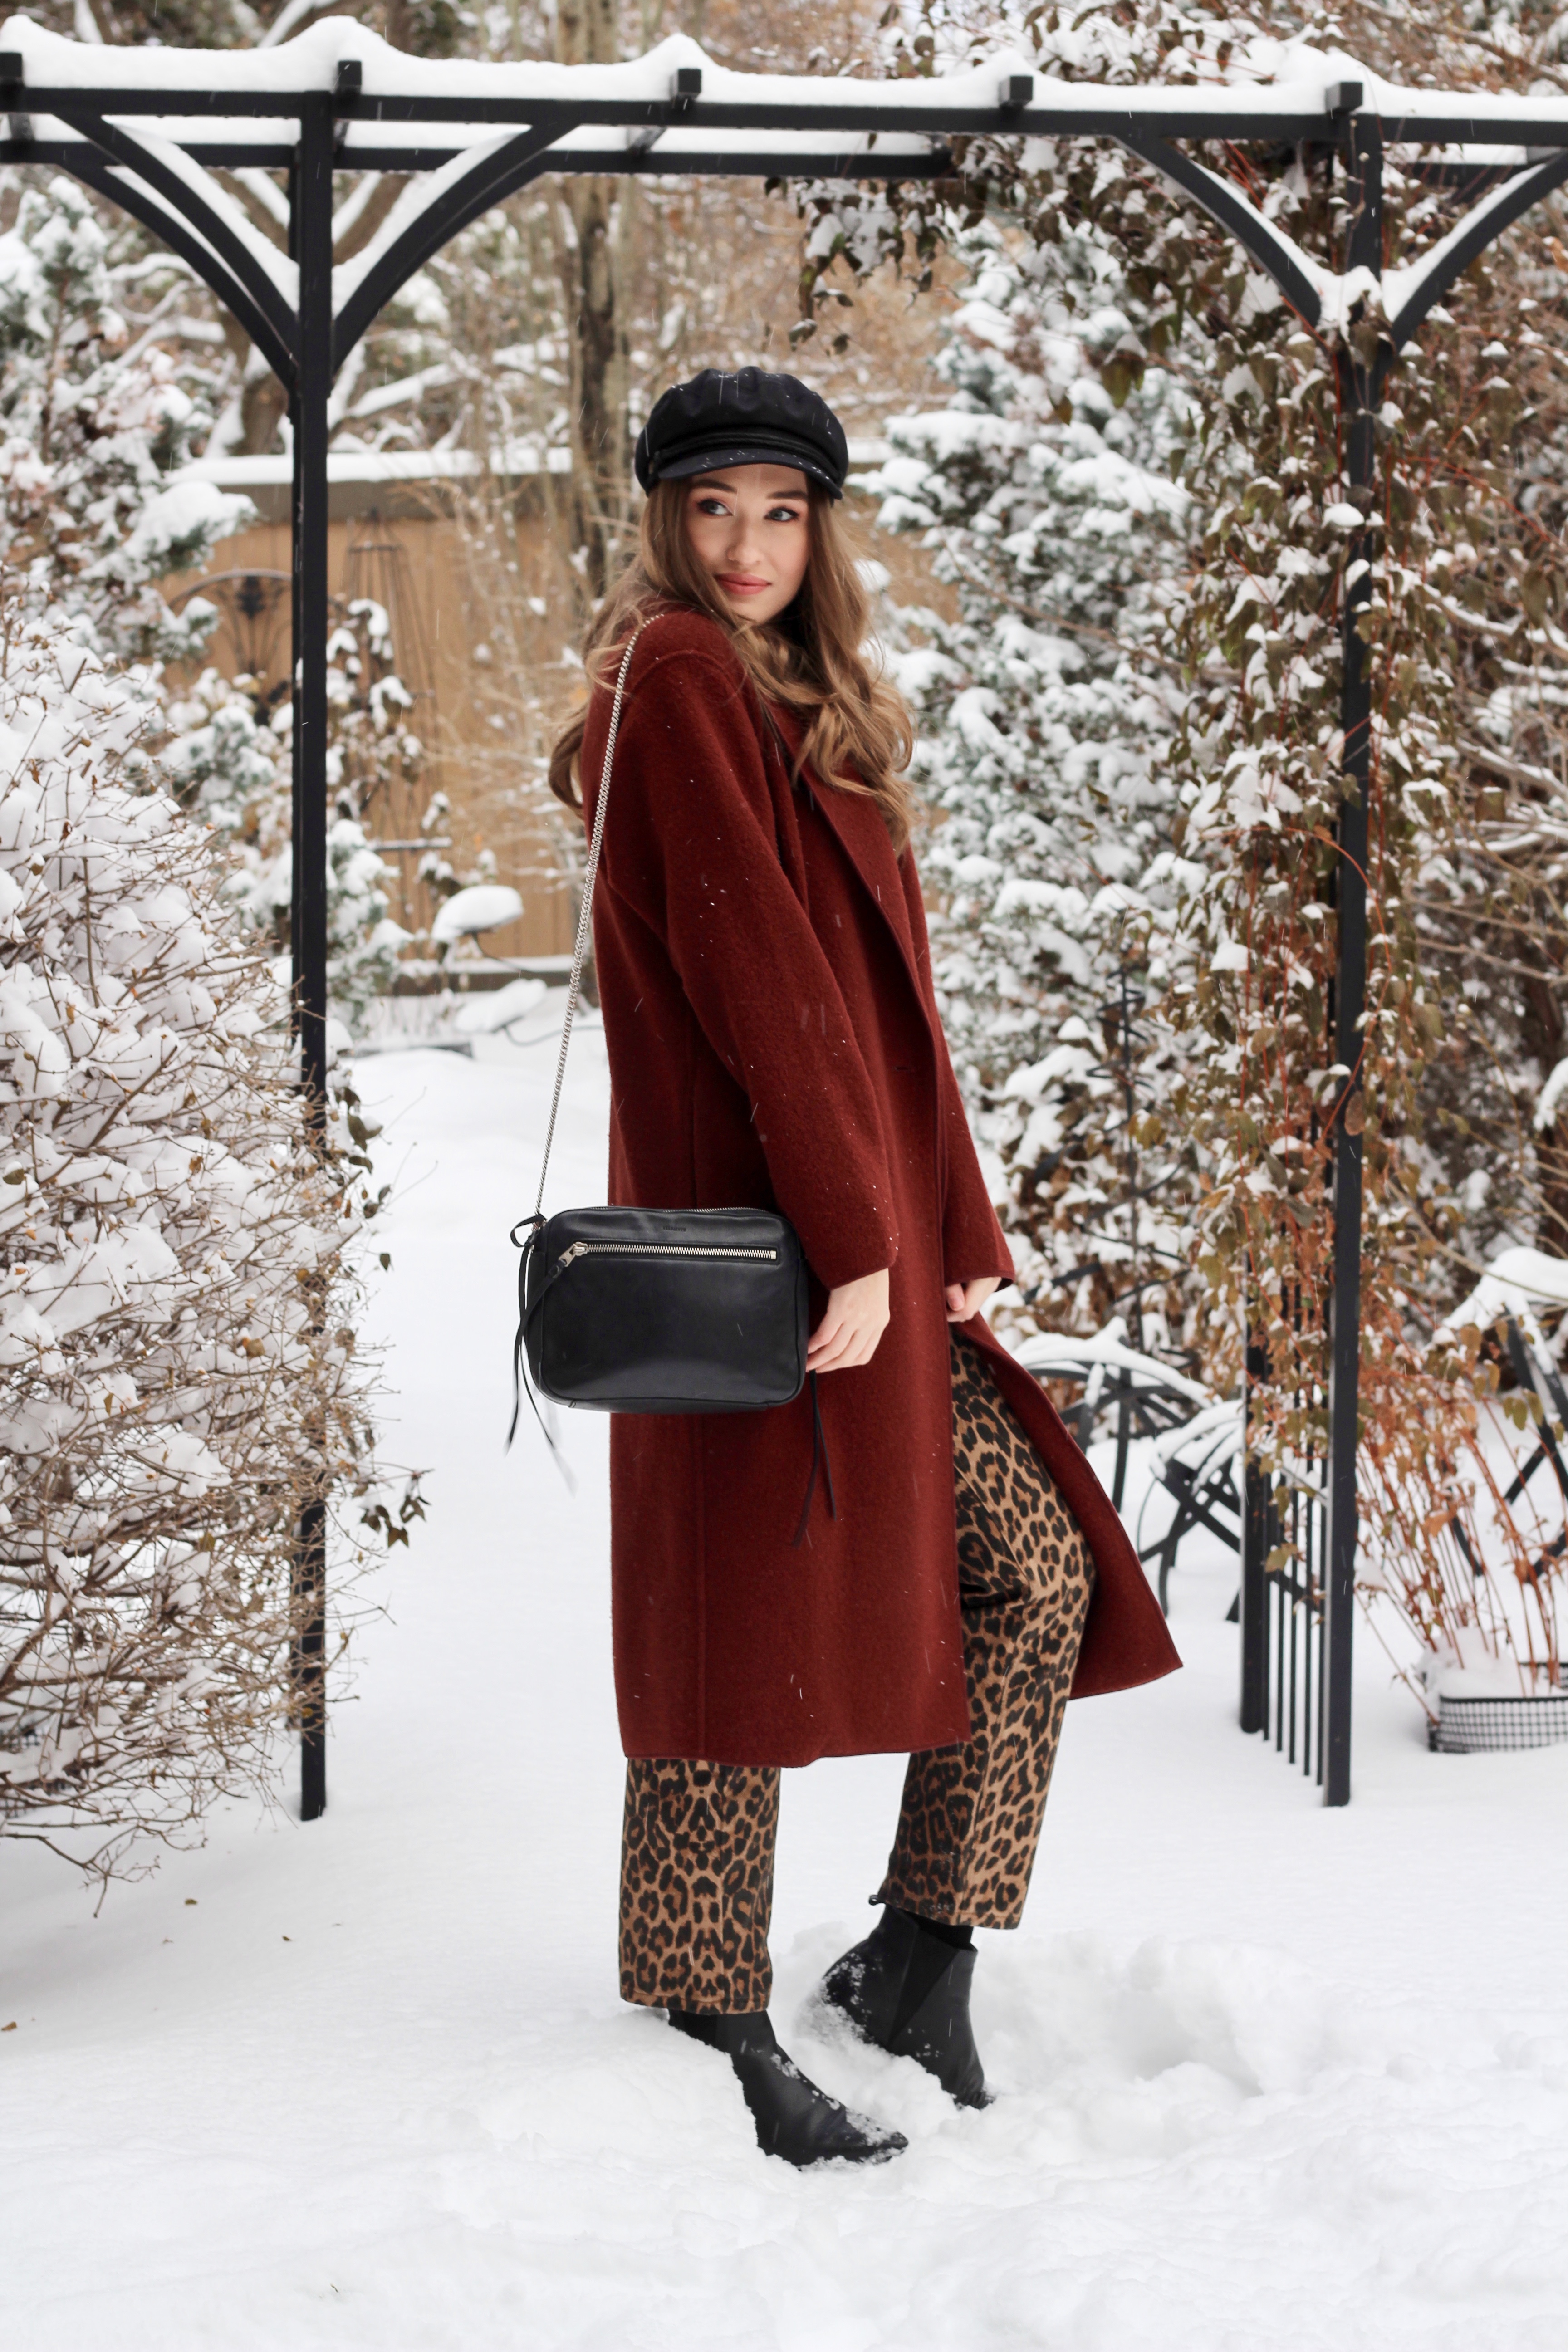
1004, 94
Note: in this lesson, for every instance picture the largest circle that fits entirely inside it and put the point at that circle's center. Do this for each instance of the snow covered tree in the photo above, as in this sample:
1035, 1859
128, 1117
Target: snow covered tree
228, 758
93, 418
180, 1373
1045, 714
95, 414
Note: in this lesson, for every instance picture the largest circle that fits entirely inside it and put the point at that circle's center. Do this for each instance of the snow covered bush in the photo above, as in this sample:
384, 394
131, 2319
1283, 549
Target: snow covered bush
179, 1375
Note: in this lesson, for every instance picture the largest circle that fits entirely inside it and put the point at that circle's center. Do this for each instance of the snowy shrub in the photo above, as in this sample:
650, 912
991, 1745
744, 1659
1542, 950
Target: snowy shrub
179, 1376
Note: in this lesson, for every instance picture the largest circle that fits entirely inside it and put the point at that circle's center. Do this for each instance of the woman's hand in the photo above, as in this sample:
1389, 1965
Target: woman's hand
856, 1320
967, 1298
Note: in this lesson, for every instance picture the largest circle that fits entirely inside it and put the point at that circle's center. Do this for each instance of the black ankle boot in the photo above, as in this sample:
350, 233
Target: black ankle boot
906, 1989
794, 2118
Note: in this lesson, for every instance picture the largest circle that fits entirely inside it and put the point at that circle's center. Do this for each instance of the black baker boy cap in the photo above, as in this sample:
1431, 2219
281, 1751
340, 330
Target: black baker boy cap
749, 418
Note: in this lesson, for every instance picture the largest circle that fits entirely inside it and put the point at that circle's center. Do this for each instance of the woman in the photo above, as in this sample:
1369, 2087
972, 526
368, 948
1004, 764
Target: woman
773, 1040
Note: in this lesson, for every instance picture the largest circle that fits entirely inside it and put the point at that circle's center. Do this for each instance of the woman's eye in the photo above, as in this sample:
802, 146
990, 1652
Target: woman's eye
785, 514
712, 506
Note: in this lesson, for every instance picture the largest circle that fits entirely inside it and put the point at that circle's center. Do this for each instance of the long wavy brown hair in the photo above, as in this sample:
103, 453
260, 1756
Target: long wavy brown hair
810, 661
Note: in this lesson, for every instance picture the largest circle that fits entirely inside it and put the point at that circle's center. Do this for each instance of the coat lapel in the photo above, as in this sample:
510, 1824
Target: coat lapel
857, 823
862, 835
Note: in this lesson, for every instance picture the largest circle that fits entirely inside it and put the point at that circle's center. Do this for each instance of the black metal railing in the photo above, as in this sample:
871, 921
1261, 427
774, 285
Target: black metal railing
1284, 1574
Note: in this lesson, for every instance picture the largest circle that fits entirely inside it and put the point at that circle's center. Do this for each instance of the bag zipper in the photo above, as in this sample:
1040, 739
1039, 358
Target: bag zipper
654, 1249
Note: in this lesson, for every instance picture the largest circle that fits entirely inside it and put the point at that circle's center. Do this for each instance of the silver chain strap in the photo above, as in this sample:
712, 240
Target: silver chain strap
586, 919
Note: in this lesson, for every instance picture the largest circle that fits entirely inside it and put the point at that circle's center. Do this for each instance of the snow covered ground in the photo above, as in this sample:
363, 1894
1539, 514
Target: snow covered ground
1270, 2076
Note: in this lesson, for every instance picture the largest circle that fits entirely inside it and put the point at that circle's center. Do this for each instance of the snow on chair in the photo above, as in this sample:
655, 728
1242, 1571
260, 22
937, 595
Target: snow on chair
1513, 1286
1145, 1397
1200, 1465
1195, 1439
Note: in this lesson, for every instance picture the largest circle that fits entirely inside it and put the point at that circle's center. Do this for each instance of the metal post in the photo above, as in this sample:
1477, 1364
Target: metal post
312, 239
1257, 1538
1362, 376
1123, 1438
1131, 1000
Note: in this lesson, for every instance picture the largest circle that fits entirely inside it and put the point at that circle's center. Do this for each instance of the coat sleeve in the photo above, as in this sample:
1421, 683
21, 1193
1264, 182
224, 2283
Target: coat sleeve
690, 844
972, 1241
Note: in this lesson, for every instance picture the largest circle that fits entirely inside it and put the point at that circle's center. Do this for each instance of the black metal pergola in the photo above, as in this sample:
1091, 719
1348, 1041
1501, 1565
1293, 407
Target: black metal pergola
148, 128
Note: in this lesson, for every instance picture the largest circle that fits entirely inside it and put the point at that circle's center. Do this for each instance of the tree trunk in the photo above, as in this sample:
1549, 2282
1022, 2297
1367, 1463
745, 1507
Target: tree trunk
601, 474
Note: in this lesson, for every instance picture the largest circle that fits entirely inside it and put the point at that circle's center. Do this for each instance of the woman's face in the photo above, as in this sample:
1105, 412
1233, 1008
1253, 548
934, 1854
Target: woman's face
750, 529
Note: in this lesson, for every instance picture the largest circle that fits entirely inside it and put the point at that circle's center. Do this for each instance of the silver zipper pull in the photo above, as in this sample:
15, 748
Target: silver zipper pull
577, 1250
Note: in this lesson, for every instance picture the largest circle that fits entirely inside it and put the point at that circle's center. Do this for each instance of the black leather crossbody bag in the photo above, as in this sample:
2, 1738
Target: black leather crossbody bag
656, 1310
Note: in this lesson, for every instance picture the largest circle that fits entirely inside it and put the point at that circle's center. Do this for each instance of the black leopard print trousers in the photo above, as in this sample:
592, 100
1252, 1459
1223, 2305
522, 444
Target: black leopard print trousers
697, 1853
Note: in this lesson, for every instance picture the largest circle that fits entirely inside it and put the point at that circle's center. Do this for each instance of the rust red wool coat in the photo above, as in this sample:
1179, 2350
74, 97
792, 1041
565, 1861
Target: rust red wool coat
773, 1041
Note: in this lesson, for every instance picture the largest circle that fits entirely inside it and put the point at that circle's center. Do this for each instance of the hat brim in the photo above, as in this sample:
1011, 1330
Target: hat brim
719, 454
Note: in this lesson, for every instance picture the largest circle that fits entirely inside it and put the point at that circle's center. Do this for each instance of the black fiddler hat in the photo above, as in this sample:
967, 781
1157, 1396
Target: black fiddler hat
749, 418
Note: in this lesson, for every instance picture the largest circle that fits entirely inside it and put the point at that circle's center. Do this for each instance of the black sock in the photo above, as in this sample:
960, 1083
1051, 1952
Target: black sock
929, 1962
960, 1937
736, 2032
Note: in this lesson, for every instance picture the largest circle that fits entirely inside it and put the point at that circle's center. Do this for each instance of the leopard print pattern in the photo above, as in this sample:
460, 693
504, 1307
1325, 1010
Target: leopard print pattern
697, 1884
697, 1860
970, 1819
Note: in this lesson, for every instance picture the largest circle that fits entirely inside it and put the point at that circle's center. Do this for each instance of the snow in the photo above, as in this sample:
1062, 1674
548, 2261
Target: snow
308, 62
189, 511
272, 471
1108, 1353
519, 456
483, 906
1269, 2074
1402, 288
1550, 1100
1516, 1280
500, 1008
